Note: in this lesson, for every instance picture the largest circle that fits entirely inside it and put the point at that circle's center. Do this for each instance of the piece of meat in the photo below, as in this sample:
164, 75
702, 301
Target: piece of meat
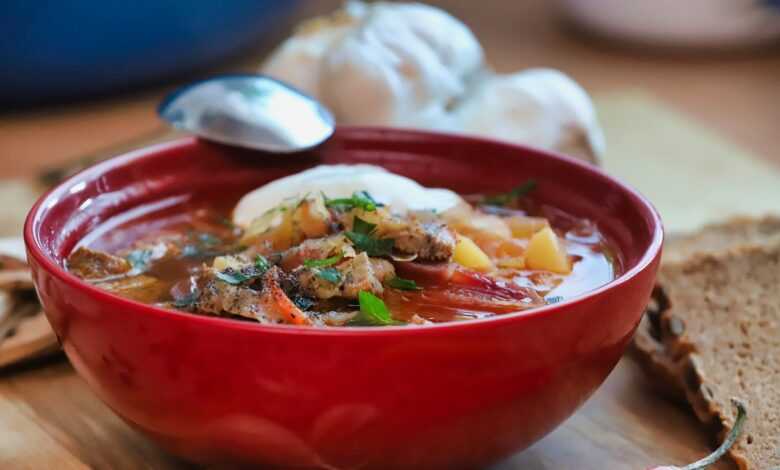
92, 264
314, 285
218, 297
417, 233
364, 273
270, 304
142, 288
168, 245
427, 273
316, 248
354, 274
429, 241
333, 317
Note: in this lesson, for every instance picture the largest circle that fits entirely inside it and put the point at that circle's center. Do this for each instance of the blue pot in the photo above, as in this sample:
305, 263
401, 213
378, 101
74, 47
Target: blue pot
58, 49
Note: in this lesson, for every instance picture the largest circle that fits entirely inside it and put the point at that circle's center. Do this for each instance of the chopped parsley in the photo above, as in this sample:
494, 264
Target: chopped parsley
372, 246
513, 195
373, 311
322, 263
262, 264
403, 284
361, 226
139, 259
249, 273
362, 237
233, 277
330, 274
359, 200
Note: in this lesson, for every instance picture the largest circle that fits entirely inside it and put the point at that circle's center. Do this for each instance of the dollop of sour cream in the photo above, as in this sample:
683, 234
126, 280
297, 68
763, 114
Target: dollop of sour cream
339, 181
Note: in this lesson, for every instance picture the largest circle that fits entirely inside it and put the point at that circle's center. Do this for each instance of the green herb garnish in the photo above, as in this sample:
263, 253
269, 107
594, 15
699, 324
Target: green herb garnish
403, 284
373, 311
514, 194
362, 237
249, 273
359, 200
262, 264
329, 274
233, 277
322, 263
372, 246
139, 259
554, 299
361, 226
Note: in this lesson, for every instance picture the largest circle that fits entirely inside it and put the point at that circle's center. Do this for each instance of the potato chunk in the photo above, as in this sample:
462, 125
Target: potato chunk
312, 217
526, 227
289, 223
547, 252
469, 255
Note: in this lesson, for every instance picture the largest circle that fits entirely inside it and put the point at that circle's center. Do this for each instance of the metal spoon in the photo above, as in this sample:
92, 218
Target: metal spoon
252, 111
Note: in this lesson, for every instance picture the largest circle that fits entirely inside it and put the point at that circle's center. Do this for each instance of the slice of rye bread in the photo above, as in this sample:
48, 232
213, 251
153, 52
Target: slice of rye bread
713, 238
720, 236
720, 328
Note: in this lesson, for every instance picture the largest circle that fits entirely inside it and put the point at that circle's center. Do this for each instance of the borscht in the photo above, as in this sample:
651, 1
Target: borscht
349, 245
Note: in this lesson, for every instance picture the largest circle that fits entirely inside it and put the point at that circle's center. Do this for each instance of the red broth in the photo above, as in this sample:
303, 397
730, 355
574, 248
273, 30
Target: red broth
205, 219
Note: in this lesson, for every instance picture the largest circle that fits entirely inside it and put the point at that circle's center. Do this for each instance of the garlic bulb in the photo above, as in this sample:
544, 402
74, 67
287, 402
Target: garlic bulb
401, 66
541, 107
413, 65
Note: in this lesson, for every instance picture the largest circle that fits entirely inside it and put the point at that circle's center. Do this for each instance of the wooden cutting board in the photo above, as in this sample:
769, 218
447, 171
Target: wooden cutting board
49, 417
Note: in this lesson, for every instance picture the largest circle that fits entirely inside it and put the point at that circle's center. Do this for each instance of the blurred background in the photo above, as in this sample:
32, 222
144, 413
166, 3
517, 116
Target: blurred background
80, 76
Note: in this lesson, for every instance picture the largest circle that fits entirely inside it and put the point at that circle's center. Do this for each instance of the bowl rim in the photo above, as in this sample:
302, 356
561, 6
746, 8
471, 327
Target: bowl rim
35, 251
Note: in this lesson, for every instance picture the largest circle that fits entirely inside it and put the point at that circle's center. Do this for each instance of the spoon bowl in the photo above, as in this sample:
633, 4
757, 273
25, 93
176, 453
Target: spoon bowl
251, 111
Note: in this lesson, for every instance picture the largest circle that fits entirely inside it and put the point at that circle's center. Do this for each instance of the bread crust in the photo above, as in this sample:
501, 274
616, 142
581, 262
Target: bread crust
734, 284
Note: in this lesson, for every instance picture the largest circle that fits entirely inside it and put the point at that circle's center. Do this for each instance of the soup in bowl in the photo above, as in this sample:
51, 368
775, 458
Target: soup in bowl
393, 299
384, 251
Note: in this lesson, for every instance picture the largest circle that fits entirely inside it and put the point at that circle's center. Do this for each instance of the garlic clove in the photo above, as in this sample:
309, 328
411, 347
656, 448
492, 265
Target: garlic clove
539, 107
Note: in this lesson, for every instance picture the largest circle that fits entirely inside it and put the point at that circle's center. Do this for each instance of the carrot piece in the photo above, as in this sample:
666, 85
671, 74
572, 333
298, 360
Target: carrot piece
276, 302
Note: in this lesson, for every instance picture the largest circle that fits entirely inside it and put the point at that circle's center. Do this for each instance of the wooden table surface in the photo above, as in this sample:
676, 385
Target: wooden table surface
48, 416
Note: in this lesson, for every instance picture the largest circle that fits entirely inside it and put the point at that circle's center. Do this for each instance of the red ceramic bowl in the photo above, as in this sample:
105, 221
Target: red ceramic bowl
456, 395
